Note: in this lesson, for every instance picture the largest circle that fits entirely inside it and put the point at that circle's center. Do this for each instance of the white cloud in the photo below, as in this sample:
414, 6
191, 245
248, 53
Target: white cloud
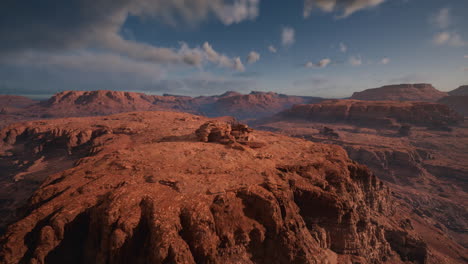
238, 66
309, 64
347, 7
385, 61
466, 56
324, 63
253, 57
86, 27
221, 59
355, 61
449, 38
272, 49
194, 11
321, 64
442, 19
343, 47
288, 36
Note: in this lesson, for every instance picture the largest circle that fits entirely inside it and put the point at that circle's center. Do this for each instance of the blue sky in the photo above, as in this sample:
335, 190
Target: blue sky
328, 48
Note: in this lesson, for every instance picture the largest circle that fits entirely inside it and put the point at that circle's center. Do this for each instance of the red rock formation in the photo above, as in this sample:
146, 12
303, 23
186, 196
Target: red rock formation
15, 101
401, 92
94, 103
149, 191
426, 168
257, 104
377, 113
78, 103
458, 103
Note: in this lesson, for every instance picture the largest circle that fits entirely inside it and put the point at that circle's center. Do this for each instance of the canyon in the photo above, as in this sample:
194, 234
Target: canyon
253, 178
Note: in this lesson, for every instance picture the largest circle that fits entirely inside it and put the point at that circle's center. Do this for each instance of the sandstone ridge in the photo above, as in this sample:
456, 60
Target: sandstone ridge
401, 92
289, 201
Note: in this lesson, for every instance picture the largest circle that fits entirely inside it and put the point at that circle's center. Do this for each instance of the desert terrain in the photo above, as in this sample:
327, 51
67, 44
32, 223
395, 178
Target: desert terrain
104, 176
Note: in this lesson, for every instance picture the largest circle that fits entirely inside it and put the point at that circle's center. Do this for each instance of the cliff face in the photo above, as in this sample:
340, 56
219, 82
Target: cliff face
401, 92
379, 113
426, 168
256, 198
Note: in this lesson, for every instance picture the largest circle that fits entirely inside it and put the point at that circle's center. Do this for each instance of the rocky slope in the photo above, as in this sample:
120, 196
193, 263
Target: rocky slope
236, 196
78, 103
401, 92
374, 114
425, 167
462, 90
458, 103
7, 101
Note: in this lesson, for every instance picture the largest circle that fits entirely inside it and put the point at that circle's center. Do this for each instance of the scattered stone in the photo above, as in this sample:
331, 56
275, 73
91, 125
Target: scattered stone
170, 183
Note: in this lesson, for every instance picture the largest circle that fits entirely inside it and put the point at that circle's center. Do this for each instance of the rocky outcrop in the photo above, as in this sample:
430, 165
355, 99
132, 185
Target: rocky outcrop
401, 92
425, 168
233, 135
382, 114
30, 152
395, 166
462, 90
458, 103
150, 200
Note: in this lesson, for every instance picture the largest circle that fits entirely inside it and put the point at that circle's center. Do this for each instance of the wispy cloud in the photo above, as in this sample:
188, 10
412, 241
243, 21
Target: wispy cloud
355, 60
288, 36
221, 59
320, 64
343, 47
253, 57
385, 60
442, 19
449, 38
447, 35
346, 7
272, 49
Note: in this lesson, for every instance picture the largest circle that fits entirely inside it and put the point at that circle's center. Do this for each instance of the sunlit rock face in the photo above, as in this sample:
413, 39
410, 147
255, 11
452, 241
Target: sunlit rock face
149, 187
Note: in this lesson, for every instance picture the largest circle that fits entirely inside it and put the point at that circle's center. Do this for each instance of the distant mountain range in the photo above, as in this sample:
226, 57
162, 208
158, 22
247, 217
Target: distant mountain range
242, 106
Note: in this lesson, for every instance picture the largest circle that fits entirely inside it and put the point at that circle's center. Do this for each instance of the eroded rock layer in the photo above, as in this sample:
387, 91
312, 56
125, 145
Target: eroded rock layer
375, 114
147, 188
401, 92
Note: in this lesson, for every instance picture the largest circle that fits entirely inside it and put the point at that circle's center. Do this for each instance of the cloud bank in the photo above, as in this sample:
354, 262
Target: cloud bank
96, 24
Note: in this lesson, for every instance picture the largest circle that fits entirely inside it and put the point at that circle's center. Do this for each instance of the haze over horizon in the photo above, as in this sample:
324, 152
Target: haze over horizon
304, 47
